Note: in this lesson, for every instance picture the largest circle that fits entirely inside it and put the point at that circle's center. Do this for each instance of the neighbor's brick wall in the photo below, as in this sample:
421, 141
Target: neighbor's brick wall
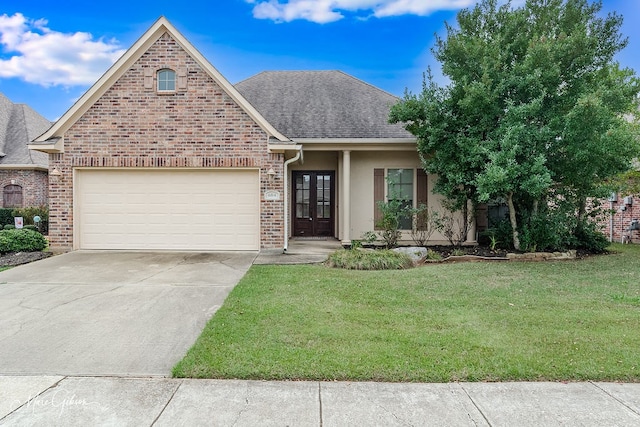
621, 219
34, 183
133, 126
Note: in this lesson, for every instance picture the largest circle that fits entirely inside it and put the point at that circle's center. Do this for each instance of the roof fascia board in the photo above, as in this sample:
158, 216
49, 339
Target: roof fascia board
161, 26
358, 144
24, 167
48, 146
281, 148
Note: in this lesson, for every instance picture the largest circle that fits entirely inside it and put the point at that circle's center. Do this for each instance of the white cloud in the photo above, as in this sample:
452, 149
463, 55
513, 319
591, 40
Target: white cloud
324, 11
37, 54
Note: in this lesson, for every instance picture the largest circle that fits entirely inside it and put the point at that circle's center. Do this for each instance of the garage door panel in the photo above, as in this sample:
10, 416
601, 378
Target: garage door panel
167, 209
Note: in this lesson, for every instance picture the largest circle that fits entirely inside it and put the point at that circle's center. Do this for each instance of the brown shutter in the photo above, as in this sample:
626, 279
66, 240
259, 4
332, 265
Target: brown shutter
421, 195
148, 78
182, 80
421, 188
378, 196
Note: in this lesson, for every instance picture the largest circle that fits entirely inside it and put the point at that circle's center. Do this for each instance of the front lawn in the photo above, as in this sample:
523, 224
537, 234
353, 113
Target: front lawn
570, 320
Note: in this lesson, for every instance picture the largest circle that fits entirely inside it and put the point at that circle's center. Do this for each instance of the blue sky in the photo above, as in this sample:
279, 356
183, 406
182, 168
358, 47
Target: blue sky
51, 52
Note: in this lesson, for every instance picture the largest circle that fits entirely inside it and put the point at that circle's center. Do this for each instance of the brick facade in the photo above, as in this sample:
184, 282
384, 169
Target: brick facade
133, 126
622, 219
34, 183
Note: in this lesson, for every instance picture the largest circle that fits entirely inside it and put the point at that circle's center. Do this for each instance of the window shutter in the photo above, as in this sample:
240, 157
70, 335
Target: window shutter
182, 80
421, 193
148, 78
421, 188
378, 196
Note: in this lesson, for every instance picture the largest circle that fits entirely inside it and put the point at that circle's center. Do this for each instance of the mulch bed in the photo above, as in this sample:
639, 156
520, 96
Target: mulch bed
19, 258
481, 251
486, 252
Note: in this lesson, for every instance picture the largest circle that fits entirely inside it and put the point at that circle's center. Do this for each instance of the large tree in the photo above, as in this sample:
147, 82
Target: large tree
536, 108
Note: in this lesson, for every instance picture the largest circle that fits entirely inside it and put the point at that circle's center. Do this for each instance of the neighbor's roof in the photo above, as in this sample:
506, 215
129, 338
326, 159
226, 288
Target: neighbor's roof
19, 125
322, 104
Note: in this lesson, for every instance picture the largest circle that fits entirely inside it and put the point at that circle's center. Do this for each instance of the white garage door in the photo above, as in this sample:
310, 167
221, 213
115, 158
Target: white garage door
167, 209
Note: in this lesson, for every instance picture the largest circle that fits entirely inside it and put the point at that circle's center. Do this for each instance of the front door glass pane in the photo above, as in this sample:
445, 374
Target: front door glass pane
302, 196
323, 196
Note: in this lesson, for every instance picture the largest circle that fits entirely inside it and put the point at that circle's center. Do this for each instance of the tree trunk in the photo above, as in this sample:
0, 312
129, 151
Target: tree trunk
582, 209
514, 222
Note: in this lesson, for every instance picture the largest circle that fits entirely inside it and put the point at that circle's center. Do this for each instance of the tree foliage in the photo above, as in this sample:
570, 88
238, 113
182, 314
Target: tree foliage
536, 109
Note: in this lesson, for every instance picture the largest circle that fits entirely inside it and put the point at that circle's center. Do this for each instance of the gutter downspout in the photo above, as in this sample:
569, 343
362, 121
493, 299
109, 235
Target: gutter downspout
297, 157
611, 212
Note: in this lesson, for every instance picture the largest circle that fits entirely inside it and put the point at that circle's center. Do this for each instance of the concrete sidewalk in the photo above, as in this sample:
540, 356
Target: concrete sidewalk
96, 401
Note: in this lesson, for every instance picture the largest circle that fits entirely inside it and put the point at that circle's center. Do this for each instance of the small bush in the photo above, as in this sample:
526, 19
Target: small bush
31, 227
9, 227
433, 255
363, 259
589, 238
502, 234
5, 216
425, 222
21, 241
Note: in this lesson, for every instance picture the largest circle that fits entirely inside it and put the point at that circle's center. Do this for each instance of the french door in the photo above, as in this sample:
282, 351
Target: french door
313, 204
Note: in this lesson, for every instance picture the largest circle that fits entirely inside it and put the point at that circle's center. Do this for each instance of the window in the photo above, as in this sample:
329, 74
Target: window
400, 187
12, 196
166, 80
399, 182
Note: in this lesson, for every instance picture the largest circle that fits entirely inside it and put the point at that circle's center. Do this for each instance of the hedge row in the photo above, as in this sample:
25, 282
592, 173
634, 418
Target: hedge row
23, 240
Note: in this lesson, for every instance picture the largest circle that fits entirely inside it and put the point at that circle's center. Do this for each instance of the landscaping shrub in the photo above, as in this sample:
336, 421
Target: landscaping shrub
425, 222
9, 227
392, 213
21, 241
433, 255
548, 231
501, 235
589, 238
5, 216
369, 259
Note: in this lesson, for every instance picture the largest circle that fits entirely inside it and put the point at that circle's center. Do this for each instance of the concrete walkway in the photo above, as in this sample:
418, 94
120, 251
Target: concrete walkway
300, 251
84, 401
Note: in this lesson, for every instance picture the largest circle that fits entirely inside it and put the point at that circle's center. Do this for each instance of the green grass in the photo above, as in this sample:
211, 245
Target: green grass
571, 320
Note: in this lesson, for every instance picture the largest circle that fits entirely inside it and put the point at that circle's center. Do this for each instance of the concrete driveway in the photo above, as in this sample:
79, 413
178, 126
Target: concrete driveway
110, 313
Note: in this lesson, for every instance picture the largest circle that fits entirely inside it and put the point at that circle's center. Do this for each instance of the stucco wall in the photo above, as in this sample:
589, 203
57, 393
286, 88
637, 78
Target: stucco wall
363, 164
362, 197
134, 126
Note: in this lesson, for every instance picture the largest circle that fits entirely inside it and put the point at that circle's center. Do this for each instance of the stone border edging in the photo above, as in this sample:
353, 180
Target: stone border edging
528, 256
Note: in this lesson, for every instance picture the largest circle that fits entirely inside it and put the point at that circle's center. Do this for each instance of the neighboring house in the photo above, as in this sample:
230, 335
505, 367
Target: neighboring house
23, 173
623, 224
164, 153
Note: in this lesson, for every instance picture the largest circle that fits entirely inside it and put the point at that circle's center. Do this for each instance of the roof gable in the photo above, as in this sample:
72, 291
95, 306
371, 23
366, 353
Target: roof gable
322, 104
54, 135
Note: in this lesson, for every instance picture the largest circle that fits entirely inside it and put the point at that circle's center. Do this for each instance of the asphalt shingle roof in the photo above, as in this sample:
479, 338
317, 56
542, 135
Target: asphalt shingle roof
321, 104
19, 125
